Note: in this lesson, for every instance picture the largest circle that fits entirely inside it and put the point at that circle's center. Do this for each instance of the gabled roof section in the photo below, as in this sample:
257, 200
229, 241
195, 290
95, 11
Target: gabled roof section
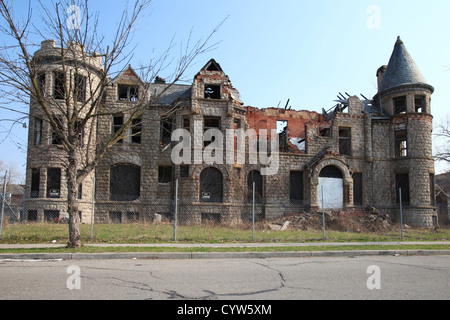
212, 65
129, 75
401, 70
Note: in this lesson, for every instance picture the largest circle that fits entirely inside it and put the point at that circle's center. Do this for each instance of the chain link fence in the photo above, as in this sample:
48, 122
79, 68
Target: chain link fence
141, 219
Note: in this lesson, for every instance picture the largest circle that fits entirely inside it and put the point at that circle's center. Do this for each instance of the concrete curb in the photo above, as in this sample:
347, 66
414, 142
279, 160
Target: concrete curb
215, 255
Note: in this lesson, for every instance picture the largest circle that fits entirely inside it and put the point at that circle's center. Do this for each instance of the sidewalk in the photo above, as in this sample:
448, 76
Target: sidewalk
221, 255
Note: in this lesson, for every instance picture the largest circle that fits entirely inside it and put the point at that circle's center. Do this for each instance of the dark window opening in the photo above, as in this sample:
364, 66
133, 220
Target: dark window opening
331, 172
212, 92
80, 88
400, 105
164, 174
136, 131
210, 123
401, 143
32, 216
186, 123
345, 145
117, 125
54, 183
79, 131
358, 189
184, 171
132, 217
432, 190
80, 191
37, 131
56, 138
211, 185
35, 182
296, 187
41, 84
166, 131
59, 85
115, 217
128, 93
402, 183
419, 104
211, 218
51, 215
125, 183
255, 177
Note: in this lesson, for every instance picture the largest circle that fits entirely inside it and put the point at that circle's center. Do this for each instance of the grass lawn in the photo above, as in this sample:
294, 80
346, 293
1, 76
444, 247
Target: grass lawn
148, 233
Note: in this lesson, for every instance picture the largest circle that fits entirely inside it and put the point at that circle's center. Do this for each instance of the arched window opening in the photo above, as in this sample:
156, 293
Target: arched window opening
211, 185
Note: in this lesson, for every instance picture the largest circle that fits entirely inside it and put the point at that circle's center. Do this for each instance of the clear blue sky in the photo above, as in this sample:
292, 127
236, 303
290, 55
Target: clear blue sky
305, 51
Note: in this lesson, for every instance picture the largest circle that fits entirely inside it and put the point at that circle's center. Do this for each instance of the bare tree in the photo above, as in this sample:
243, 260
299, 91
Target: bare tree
442, 135
74, 108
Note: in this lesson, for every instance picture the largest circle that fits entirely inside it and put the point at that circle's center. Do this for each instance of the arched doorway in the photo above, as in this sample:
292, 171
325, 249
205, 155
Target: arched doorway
211, 185
331, 188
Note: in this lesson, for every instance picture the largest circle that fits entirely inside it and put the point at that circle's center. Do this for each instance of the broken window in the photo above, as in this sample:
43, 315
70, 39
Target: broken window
125, 182
401, 143
282, 131
324, 132
37, 131
54, 183
212, 92
128, 93
400, 105
59, 85
186, 123
358, 189
35, 182
165, 174
79, 90
32, 215
419, 104
211, 185
117, 125
132, 217
296, 187
136, 131
402, 184
345, 145
166, 131
211, 123
255, 177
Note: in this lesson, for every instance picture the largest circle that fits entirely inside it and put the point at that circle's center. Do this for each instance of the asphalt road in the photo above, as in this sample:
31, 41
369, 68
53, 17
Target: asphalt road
333, 278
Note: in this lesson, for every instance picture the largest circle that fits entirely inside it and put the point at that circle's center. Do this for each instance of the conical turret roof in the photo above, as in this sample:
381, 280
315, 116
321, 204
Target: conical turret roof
401, 70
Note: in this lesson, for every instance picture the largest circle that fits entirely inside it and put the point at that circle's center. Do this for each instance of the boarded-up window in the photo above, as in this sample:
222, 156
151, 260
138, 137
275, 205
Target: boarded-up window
125, 182
255, 176
211, 185
358, 189
402, 183
296, 187
331, 188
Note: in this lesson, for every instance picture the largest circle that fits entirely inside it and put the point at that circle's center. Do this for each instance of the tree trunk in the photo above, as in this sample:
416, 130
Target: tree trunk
72, 203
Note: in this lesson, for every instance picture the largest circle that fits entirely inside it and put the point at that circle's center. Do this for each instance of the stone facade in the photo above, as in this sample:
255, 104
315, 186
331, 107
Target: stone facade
369, 149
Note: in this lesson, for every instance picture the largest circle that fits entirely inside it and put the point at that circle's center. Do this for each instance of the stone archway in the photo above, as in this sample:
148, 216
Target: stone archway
334, 175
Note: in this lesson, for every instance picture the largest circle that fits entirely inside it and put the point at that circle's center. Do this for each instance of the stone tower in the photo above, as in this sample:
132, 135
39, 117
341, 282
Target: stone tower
46, 159
405, 96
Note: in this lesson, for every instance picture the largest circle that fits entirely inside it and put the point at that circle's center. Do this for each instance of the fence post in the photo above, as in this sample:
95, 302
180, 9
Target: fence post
93, 207
401, 212
3, 203
323, 216
175, 218
253, 213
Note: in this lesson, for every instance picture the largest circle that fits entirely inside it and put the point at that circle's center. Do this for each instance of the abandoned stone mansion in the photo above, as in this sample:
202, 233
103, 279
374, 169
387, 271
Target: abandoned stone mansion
360, 155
